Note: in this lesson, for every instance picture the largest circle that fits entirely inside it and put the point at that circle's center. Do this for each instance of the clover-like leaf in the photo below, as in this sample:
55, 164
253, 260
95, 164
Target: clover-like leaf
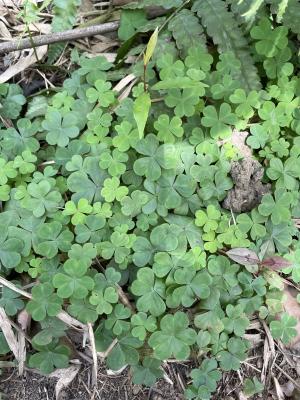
60, 128
104, 299
52, 328
44, 302
74, 282
150, 292
168, 130
10, 301
285, 329
285, 173
148, 373
114, 163
142, 324
50, 357
269, 40
112, 190
52, 238
174, 337
101, 93
78, 212
276, 207
205, 380
219, 122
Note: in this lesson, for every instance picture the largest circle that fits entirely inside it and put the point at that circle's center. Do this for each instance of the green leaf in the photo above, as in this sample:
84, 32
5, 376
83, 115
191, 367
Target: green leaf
130, 21
10, 301
141, 110
218, 21
285, 329
52, 328
49, 358
148, 372
150, 292
186, 30
73, 282
174, 337
44, 302
219, 122
269, 40
252, 386
60, 128
51, 238
205, 380
151, 47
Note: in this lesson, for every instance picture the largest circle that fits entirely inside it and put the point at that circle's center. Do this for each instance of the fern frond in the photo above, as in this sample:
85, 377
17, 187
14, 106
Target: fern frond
291, 17
223, 29
248, 11
64, 18
186, 30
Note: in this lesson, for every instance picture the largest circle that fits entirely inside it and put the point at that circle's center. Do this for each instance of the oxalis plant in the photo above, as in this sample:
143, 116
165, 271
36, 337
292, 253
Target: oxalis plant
104, 194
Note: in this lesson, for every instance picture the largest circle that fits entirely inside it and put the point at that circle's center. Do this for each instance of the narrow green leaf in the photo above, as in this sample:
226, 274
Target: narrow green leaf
151, 46
141, 111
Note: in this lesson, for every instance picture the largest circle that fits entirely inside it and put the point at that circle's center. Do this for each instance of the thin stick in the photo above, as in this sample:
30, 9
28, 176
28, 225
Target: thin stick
71, 34
63, 316
104, 354
94, 354
287, 376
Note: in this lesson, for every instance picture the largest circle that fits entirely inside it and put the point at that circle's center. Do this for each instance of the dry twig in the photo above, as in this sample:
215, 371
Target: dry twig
71, 34
63, 316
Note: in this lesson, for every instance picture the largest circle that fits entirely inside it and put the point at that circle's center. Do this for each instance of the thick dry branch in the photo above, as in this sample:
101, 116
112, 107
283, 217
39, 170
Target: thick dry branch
56, 37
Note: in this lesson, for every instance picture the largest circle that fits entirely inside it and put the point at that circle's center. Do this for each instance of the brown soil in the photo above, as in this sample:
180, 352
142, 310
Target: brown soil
33, 386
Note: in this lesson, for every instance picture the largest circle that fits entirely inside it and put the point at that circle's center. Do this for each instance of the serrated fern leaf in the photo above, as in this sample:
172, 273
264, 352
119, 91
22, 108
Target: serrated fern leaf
291, 17
247, 10
223, 29
55, 51
64, 18
186, 30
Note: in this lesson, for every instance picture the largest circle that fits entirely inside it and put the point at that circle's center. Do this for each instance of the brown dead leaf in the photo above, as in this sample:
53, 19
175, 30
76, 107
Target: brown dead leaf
23, 63
103, 46
37, 27
24, 320
243, 256
276, 263
292, 307
4, 32
279, 392
8, 333
21, 352
10, 3
65, 377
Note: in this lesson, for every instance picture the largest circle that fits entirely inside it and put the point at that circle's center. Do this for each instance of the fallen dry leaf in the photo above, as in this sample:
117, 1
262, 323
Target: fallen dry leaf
276, 263
243, 256
8, 333
23, 63
4, 32
65, 377
279, 392
292, 307
10, 3
37, 27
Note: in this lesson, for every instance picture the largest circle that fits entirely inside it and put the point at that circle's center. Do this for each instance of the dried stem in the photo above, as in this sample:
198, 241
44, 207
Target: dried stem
63, 316
71, 34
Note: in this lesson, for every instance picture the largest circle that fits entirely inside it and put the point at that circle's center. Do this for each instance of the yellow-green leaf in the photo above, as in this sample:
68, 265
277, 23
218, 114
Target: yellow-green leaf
141, 109
151, 46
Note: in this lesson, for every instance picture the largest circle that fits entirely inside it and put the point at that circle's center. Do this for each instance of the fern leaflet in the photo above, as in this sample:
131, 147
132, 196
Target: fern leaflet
223, 29
186, 30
